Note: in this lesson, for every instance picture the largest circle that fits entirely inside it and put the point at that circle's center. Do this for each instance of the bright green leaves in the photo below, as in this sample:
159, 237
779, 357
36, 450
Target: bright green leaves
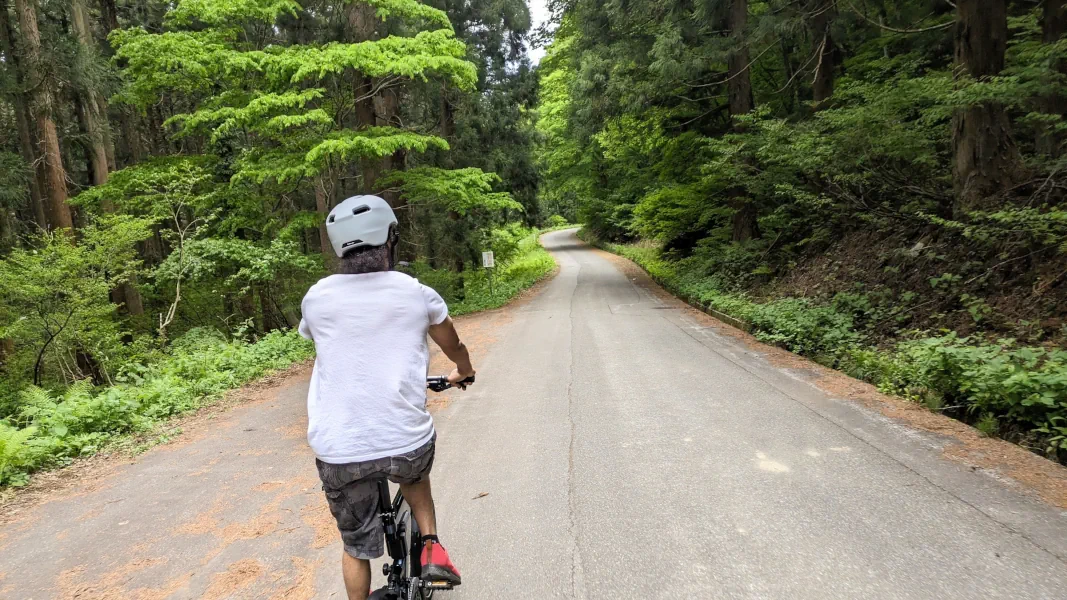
156, 187
286, 105
460, 190
429, 52
270, 114
259, 165
410, 9
182, 62
231, 12
373, 142
240, 263
314, 154
198, 62
54, 294
222, 12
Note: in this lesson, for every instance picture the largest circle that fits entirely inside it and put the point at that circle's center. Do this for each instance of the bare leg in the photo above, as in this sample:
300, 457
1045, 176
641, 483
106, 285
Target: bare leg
356, 572
421, 502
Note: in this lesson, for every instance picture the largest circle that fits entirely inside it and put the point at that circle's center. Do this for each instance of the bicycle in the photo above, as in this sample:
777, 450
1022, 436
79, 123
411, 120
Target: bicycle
403, 540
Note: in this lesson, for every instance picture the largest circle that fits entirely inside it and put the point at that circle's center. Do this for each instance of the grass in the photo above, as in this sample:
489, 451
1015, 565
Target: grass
50, 430
531, 264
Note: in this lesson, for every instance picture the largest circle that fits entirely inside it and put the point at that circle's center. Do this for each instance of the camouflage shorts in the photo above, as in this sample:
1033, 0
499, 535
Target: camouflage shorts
352, 493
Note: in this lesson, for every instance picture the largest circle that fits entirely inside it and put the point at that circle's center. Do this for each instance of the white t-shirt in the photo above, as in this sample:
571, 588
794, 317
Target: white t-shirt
367, 398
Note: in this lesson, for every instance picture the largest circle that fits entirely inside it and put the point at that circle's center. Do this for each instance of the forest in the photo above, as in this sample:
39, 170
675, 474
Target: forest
876, 184
167, 169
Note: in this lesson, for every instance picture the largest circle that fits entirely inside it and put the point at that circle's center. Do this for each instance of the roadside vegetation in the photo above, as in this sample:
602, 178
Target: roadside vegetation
877, 185
49, 428
1001, 387
168, 166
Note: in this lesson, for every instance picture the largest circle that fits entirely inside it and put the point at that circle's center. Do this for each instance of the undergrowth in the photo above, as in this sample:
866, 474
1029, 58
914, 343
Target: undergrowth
1004, 389
50, 428
520, 263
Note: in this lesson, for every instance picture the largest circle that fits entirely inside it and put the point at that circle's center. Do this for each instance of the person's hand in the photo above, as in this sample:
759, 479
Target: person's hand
455, 377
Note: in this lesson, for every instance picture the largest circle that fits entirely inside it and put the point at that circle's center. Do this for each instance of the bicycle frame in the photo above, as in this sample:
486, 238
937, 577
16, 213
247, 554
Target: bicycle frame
398, 586
394, 536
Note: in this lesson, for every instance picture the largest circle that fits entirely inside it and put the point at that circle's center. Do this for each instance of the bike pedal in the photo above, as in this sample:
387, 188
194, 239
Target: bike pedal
438, 585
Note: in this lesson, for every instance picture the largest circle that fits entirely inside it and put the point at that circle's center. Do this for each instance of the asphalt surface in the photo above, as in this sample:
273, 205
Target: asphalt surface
615, 446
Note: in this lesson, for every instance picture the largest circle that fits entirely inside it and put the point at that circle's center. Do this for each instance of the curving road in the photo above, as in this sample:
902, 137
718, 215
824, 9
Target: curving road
631, 451
617, 445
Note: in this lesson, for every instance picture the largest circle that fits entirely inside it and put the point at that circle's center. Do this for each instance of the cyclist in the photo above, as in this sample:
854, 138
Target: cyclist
367, 416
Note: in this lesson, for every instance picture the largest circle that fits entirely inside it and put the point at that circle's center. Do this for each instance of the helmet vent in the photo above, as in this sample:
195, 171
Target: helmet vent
331, 219
360, 210
352, 243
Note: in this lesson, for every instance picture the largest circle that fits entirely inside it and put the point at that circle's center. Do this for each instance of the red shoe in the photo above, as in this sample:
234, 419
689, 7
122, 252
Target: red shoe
436, 566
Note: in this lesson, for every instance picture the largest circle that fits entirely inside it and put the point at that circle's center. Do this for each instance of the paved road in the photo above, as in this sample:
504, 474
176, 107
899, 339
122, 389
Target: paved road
629, 450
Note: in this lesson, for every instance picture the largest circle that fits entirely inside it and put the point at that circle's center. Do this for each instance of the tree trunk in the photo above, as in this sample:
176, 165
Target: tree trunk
23, 118
1053, 27
57, 212
92, 113
7, 348
109, 13
822, 17
7, 229
387, 107
130, 134
739, 86
360, 27
744, 225
448, 117
322, 206
739, 89
985, 153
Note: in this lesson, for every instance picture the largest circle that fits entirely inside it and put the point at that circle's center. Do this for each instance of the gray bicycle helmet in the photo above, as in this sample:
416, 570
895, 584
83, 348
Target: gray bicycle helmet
359, 222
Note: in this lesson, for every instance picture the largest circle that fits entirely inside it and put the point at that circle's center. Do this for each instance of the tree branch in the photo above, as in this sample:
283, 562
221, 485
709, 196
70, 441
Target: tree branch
894, 29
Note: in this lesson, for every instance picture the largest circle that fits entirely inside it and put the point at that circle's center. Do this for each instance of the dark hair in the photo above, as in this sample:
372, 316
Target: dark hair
368, 259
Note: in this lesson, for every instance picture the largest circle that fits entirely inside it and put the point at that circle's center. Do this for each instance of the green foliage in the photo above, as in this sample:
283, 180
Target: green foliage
51, 429
531, 263
54, 296
462, 191
221, 12
1003, 388
245, 121
833, 221
556, 222
410, 9
521, 262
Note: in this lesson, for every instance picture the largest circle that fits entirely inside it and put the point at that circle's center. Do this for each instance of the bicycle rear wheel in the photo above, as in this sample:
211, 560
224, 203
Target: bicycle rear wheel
412, 542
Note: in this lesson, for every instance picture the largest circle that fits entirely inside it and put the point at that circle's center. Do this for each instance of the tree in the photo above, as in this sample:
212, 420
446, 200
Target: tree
41, 86
92, 110
821, 18
23, 117
745, 225
985, 153
1053, 28
739, 70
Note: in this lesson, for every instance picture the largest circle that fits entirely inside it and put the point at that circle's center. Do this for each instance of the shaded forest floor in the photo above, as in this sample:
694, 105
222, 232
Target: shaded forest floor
926, 285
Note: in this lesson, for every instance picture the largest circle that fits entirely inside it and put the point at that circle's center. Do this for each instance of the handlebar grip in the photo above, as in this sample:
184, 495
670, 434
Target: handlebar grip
440, 384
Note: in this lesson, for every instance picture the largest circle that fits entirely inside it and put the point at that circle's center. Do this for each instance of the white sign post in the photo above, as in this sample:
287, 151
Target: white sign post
489, 264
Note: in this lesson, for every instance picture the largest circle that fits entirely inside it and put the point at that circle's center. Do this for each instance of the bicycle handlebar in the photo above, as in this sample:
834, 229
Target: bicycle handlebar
440, 384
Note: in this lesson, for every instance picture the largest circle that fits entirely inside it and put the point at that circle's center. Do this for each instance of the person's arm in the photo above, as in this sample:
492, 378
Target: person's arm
444, 334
